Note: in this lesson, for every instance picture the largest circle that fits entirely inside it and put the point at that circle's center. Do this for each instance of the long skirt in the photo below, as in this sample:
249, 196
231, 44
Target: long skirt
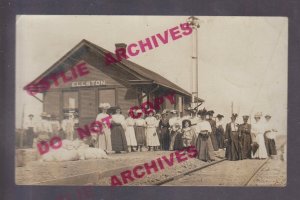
140, 135
172, 140
271, 146
42, 136
130, 136
220, 138
152, 137
204, 148
234, 148
104, 139
62, 134
214, 141
262, 150
165, 138
246, 145
178, 143
29, 138
187, 142
118, 138
70, 135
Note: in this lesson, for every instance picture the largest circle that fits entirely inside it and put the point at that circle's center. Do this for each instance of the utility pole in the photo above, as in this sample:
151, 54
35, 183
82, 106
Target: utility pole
194, 23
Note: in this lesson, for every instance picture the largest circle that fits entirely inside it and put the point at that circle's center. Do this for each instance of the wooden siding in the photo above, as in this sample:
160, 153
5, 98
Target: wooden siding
127, 98
88, 107
107, 96
52, 103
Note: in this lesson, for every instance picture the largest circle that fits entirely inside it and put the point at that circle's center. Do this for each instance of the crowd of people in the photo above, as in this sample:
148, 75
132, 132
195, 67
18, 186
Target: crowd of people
165, 131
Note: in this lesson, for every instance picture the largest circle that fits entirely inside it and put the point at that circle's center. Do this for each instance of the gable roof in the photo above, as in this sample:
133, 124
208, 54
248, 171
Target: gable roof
128, 65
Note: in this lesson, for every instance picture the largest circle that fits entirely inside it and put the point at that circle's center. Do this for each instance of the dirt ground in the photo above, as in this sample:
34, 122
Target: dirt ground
37, 171
167, 172
99, 171
238, 173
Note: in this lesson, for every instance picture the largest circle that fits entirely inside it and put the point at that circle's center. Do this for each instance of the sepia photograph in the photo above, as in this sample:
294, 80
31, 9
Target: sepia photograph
109, 100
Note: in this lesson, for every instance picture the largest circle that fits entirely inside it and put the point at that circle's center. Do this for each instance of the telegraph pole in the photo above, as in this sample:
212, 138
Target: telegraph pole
194, 23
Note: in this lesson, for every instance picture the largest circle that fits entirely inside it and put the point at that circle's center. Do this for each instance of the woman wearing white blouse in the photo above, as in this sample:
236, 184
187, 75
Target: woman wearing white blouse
130, 134
258, 131
104, 138
118, 124
151, 134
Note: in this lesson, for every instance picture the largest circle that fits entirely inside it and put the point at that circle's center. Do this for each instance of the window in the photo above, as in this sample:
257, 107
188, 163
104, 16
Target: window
179, 104
107, 96
70, 100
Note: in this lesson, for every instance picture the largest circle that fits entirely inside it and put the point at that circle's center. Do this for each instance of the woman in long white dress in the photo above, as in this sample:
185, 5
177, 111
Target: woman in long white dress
258, 131
104, 138
130, 133
151, 134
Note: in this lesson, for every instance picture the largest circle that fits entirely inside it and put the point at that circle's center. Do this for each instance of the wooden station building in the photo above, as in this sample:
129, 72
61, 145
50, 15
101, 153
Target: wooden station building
124, 83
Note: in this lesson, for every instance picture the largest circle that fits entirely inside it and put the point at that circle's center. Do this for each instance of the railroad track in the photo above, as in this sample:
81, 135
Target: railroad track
260, 167
246, 183
187, 173
256, 172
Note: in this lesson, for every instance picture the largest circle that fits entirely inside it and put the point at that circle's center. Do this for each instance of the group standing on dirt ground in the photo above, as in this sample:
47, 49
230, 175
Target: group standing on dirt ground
164, 131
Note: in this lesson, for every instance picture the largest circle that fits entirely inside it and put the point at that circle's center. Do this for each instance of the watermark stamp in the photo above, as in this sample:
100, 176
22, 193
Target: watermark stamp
96, 126
139, 171
149, 43
44, 84
148, 106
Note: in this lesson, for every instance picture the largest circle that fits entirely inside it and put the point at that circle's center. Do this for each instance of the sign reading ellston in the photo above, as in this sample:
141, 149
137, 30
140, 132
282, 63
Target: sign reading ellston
88, 83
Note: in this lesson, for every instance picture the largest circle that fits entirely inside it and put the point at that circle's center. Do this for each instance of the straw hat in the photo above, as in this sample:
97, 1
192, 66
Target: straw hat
165, 111
151, 111
104, 105
43, 114
173, 111
139, 111
258, 114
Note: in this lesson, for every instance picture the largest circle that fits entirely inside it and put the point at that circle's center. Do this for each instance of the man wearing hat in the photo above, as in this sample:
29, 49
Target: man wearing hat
220, 131
232, 138
270, 136
212, 123
246, 140
68, 126
29, 126
43, 129
55, 126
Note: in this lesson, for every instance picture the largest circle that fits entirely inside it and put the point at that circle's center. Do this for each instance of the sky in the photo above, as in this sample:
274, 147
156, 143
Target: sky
241, 59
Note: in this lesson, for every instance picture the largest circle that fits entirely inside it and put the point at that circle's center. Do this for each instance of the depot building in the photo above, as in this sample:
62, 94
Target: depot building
124, 84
